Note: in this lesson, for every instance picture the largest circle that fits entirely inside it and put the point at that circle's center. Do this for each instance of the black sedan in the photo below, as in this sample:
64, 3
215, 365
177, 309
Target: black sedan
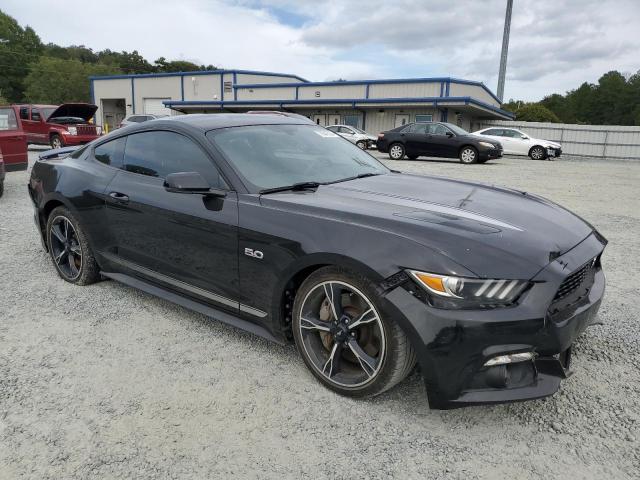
437, 140
283, 228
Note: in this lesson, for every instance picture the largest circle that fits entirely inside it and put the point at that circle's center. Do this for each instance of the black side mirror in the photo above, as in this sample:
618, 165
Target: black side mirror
449, 134
524, 137
191, 182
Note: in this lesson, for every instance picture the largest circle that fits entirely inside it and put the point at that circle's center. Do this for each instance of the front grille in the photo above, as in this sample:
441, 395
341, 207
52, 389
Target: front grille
575, 280
86, 129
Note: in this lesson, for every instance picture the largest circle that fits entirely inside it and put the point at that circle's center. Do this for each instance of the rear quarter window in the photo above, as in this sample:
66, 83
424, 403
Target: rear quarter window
111, 153
8, 119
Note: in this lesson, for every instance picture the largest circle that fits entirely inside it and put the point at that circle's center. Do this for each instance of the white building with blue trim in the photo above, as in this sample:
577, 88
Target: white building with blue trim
373, 105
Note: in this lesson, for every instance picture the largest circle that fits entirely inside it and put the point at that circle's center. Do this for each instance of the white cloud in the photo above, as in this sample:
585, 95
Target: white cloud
555, 44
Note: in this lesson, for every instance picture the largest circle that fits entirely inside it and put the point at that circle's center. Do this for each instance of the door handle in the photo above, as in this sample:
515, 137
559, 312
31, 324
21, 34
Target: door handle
119, 197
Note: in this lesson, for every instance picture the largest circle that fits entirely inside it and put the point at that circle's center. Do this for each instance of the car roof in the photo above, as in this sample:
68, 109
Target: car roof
209, 121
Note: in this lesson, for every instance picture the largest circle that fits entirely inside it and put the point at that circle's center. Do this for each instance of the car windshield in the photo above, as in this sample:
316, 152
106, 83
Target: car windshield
456, 129
359, 130
270, 156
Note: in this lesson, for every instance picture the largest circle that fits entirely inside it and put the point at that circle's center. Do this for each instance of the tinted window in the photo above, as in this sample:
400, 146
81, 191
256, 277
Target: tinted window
438, 129
79, 152
8, 119
279, 155
35, 114
493, 131
110, 153
24, 113
511, 133
158, 154
419, 128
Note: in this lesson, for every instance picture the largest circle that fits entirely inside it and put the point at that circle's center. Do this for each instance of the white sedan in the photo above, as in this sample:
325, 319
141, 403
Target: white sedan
355, 135
516, 142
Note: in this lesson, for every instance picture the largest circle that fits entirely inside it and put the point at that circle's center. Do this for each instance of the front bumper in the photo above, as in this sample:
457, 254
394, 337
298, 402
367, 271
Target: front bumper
78, 139
554, 152
489, 153
452, 346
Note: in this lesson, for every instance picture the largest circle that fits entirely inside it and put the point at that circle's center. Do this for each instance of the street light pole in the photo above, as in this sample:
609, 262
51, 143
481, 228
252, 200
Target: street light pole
505, 50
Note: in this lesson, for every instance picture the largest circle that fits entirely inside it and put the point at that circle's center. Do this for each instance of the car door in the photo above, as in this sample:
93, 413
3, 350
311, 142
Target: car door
443, 141
187, 242
347, 133
39, 127
417, 139
13, 141
517, 144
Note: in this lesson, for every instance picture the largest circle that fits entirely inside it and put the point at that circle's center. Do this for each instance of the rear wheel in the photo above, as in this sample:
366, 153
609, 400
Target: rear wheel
69, 248
56, 141
468, 155
396, 151
537, 153
343, 337
361, 144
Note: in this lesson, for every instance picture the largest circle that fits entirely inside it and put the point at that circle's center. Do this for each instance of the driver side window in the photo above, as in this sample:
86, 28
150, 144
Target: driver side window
159, 153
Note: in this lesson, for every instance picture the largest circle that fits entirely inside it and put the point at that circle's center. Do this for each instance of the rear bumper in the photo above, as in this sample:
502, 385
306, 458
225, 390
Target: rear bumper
453, 346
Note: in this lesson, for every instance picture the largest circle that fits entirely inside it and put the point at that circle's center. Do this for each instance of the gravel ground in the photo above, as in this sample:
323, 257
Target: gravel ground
107, 382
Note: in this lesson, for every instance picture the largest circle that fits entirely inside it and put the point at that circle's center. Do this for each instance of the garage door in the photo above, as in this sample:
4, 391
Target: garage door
154, 106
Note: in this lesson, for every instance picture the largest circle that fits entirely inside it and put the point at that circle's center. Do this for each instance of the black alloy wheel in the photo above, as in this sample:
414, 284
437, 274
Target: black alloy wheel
69, 249
343, 338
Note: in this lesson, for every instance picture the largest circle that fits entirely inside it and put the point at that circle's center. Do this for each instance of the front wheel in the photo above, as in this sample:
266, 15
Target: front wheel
396, 151
56, 141
343, 336
362, 145
69, 248
537, 153
469, 155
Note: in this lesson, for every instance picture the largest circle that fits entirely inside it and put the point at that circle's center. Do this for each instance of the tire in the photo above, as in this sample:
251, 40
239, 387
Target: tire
69, 249
537, 153
396, 151
361, 144
412, 157
1, 187
356, 360
56, 141
468, 155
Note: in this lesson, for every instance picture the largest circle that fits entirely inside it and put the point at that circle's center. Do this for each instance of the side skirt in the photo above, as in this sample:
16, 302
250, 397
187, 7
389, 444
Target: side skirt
185, 302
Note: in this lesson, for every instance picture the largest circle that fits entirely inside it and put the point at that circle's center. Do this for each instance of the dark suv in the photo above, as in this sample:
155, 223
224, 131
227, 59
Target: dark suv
437, 140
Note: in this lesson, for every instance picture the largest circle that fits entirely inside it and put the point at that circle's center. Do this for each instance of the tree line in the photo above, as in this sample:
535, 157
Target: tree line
614, 100
34, 72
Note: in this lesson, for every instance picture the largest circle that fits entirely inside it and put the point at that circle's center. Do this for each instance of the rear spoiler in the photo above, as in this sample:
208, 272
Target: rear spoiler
57, 152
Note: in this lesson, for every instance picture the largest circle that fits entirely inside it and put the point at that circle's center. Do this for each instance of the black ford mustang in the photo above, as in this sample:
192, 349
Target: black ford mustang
280, 227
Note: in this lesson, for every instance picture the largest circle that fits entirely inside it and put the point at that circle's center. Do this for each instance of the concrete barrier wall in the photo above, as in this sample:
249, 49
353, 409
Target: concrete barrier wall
600, 141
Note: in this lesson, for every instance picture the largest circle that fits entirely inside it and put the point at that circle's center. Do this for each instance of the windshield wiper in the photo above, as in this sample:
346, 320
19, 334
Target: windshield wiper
294, 188
360, 175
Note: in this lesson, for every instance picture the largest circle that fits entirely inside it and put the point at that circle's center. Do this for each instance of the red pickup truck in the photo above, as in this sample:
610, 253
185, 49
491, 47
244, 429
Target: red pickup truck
13, 143
58, 126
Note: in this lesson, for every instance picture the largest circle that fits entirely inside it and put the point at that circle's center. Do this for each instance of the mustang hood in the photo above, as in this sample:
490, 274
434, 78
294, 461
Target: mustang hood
494, 232
76, 110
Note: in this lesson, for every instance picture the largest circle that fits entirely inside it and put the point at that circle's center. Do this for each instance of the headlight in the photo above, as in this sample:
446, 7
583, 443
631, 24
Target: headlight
468, 293
487, 144
72, 130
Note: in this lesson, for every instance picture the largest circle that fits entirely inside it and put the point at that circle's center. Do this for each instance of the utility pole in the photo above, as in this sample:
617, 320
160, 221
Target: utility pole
505, 50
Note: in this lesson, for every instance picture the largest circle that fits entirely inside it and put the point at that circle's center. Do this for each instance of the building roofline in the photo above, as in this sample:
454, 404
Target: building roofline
199, 72
374, 82
436, 101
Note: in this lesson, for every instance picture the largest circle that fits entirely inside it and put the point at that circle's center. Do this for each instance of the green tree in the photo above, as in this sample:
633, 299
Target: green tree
18, 47
534, 112
55, 80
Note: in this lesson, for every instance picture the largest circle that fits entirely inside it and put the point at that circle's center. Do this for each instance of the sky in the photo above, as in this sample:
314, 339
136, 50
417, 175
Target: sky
555, 44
